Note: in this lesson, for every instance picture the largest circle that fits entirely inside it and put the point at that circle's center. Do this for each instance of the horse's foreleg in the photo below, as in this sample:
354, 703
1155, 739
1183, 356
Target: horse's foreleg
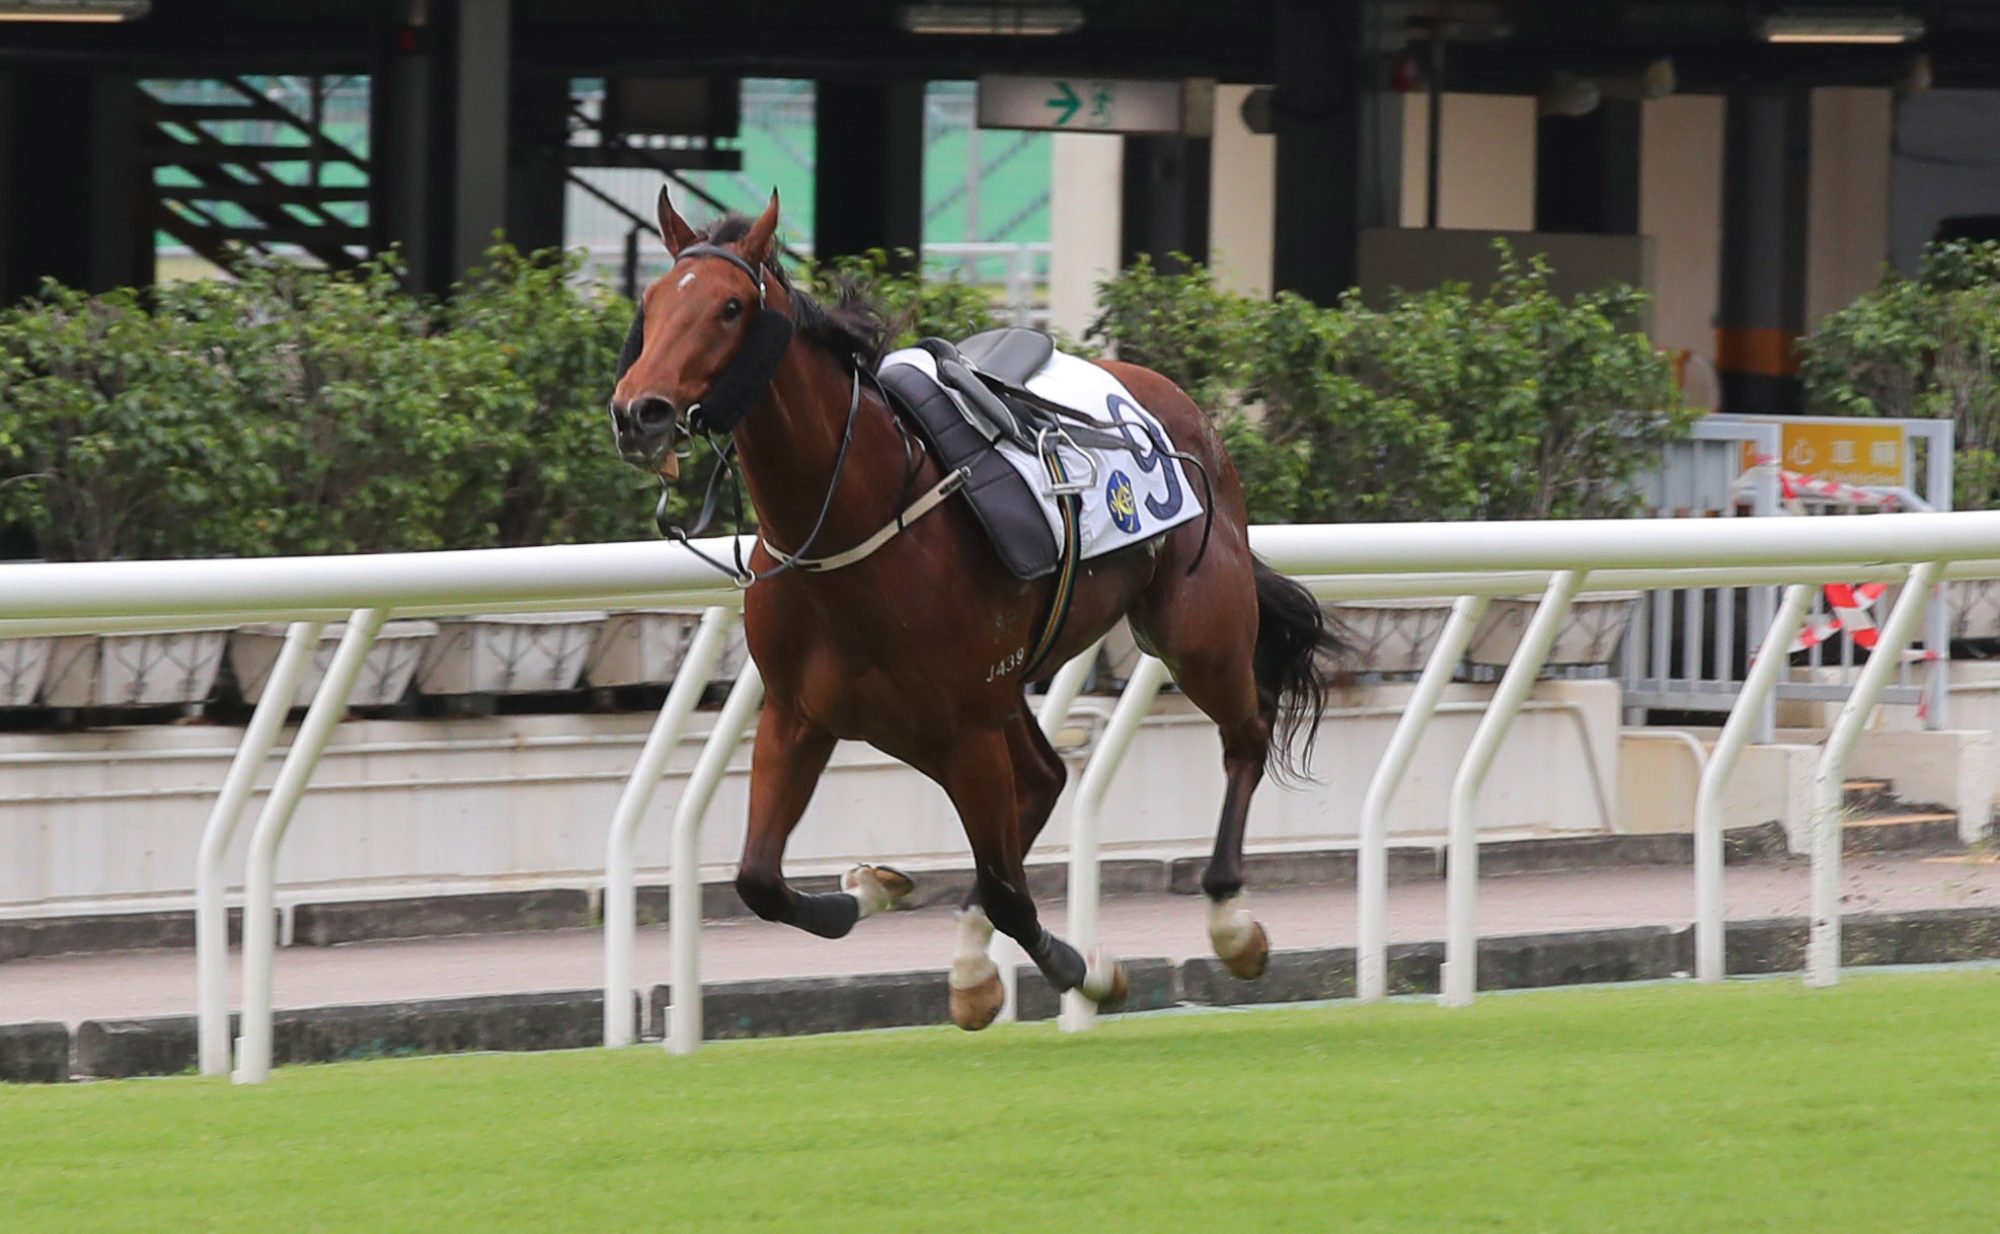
981, 780
1039, 774
790, 754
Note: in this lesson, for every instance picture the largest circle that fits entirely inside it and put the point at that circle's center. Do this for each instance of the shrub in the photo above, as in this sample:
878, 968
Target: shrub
558, 338
119, 424
913, 306
1926, 347
1442, 405
298, 411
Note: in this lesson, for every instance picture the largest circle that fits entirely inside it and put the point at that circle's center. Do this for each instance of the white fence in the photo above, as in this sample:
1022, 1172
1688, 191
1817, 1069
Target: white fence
1470, 561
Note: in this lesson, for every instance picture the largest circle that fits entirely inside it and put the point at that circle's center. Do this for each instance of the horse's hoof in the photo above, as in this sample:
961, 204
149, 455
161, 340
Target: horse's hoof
1121, 986
1105, 983
878, 887
974, 1008
1251, 961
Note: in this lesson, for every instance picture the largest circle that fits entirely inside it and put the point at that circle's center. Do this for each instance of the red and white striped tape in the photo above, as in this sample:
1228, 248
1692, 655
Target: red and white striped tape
1795, 486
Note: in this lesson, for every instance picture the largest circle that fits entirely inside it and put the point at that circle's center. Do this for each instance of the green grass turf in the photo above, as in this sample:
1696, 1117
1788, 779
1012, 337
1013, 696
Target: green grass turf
1748, 1107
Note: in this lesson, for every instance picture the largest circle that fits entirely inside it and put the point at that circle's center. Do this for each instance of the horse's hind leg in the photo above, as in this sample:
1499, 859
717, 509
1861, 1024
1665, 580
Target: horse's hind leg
790, 754
1236, 936
980, 776
1209, 646
1039, 775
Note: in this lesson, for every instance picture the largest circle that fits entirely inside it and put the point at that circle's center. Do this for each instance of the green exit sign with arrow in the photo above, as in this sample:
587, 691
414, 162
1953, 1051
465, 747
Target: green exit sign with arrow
1096, 105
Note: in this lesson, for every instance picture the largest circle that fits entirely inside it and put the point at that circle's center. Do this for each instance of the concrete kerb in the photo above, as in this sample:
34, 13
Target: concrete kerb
36, 1053
797, 1006
329, 923
27, 937
166, 1045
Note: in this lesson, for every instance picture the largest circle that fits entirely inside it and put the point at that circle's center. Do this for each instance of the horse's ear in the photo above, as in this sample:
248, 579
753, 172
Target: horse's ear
757, 243
673, 228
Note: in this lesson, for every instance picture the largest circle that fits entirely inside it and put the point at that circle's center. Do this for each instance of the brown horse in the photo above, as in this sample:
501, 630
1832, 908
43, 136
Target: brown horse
908, 650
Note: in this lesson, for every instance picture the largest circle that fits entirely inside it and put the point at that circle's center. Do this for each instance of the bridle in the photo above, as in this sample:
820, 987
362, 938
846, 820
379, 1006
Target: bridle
728, 401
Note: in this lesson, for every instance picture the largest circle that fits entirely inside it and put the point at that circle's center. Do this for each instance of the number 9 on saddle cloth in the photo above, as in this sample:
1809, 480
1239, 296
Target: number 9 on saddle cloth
1063, 463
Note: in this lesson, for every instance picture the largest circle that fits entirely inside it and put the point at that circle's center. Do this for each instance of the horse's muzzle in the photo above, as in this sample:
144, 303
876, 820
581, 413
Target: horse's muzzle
644, 430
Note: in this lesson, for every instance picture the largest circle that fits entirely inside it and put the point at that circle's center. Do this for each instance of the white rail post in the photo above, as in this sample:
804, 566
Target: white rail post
211, 879
1829, 780
1078, 1012
1745, 718
1461, 948
329, 707
1372, 877
620, 861
684, 901
1056, 704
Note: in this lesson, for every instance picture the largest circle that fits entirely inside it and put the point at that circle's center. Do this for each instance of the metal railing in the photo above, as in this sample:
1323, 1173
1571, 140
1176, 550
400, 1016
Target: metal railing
1685, 650
1468, 561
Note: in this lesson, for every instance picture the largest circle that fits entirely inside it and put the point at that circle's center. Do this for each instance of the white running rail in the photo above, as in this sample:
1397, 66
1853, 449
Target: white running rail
1461, 560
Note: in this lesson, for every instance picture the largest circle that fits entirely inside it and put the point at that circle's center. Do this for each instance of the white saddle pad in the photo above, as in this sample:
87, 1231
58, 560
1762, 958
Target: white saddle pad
1129, 497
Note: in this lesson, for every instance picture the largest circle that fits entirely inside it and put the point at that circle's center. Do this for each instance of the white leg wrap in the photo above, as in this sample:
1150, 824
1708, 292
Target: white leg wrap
971, 967
861, 883
1099, 975
1231, 928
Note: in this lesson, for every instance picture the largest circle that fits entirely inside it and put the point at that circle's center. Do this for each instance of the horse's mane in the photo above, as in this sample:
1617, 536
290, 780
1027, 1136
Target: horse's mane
853, 327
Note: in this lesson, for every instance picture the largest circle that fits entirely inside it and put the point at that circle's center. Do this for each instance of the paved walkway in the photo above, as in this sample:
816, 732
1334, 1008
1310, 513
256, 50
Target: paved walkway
75, 988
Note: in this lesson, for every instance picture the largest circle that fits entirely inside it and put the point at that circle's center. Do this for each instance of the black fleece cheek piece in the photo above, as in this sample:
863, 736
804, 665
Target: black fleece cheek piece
747, 376
635, 342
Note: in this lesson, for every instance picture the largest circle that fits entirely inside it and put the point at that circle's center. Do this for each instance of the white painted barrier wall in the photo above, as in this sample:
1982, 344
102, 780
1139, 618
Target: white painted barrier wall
111, 818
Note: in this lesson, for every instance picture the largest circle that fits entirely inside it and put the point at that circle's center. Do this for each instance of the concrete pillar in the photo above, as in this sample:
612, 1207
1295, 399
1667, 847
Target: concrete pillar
1086, 175
75, 200
868, 173
474, 122
1847, 224
1242, 183
1487, 163
399, 121
1338, 139
1765, 152
538, 131
440, 138
1680, 207
1587, 171
1164, 199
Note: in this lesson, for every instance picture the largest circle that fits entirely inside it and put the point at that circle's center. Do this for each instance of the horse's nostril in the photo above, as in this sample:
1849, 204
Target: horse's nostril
651, 414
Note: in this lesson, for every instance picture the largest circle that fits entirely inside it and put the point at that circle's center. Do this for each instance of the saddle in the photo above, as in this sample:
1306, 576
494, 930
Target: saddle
977, 401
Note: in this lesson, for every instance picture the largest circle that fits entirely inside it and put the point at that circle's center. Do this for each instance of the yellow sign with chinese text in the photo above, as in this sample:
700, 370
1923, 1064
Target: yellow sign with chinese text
1860, 452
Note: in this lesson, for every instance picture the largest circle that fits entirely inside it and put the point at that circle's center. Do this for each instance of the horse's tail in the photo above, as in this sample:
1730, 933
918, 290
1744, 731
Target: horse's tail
1293, 635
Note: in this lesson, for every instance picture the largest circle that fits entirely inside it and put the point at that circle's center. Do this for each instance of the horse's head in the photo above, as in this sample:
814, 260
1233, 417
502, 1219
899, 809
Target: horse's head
707, 342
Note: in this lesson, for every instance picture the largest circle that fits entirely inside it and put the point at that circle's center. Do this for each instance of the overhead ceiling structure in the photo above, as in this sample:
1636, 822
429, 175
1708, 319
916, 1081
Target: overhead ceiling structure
1508, 46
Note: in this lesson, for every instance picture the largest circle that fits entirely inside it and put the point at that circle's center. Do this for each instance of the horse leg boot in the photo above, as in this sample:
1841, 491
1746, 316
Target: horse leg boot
790, 755
982, 783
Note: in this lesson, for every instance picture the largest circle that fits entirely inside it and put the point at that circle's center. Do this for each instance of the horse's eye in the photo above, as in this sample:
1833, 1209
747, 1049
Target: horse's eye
732, 310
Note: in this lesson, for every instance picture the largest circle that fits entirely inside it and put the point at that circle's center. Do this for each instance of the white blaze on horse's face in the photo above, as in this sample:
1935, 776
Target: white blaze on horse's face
685, 280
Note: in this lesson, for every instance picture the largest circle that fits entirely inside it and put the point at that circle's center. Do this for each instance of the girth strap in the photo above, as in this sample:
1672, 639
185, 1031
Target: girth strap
1071, 556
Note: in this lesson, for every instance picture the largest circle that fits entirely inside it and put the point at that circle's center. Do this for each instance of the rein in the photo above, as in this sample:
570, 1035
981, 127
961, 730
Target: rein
741, 574
718, 413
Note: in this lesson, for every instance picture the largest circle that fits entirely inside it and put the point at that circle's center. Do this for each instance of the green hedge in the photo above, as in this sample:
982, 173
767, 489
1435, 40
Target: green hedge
1445, 404
1926, 347
296, 411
